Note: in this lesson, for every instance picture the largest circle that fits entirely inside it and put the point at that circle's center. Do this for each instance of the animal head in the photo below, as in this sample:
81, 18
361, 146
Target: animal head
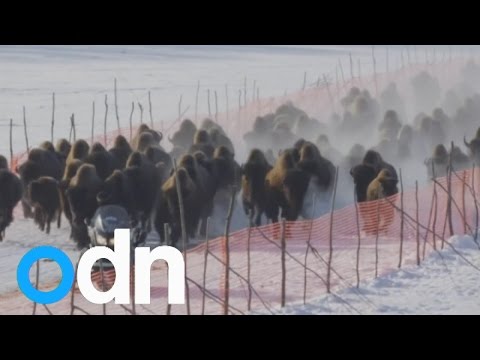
309, 152
223, 152
134, 160
362, 176
260, 125
63, 147
79, 150
188, 126
208, 124
3, 162
84, 175
201, 137
47, 145
256, 156
121, 143
372, 158
71, 169
97, 148
440, 152
111, 190
388, 181
145, 140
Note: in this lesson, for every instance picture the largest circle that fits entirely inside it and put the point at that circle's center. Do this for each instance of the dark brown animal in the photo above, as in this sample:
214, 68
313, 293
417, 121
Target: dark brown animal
437, 165
82, 197
170, 201
105, 163
141, 175
11, 192
218, 138
79, 150
70, 172
183, 138
3, 162
121, 150
285, 188
254, 197
382, 214
63, 147
206, 187
201, 142
366, 172
474, 147
45, 200
143, 128
40, 163
321, 169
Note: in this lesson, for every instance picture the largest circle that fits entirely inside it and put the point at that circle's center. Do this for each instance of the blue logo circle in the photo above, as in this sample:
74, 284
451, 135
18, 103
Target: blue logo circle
45, 252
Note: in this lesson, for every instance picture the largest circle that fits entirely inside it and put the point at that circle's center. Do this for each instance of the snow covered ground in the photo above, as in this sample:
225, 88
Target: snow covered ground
447, 282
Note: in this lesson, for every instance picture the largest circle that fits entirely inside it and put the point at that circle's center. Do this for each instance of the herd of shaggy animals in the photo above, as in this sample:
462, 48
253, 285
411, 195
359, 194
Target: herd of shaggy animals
290, 156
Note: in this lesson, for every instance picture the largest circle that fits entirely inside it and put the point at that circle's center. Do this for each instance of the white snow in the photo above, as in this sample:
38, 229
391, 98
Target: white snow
447, 282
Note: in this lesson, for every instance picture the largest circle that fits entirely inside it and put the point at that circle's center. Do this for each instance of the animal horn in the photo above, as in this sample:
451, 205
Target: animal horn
465, 141
160, 134
170, 139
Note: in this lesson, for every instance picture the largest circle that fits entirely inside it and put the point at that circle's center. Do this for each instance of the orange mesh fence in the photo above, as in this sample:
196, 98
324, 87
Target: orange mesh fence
335, 251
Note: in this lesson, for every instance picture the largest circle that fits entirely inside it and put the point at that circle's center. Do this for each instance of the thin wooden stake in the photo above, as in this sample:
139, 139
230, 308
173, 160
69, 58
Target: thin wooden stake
166, 230
205, 260
131, 121
184, 228
208, 102
226, 101
150, 109
357, 219
417, 223
476, 204
74, 130
449, 200
377, 235
196, 101
304, 81
464, 210
227, 252
245, 92
180, 108
307, 250
116, 105
330, 242
53, 118
140, 106
25, 129
434, 225
93, 123
216, 106
105, 122
249, 302
11, 146
402, 221
37, 280
284, 269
